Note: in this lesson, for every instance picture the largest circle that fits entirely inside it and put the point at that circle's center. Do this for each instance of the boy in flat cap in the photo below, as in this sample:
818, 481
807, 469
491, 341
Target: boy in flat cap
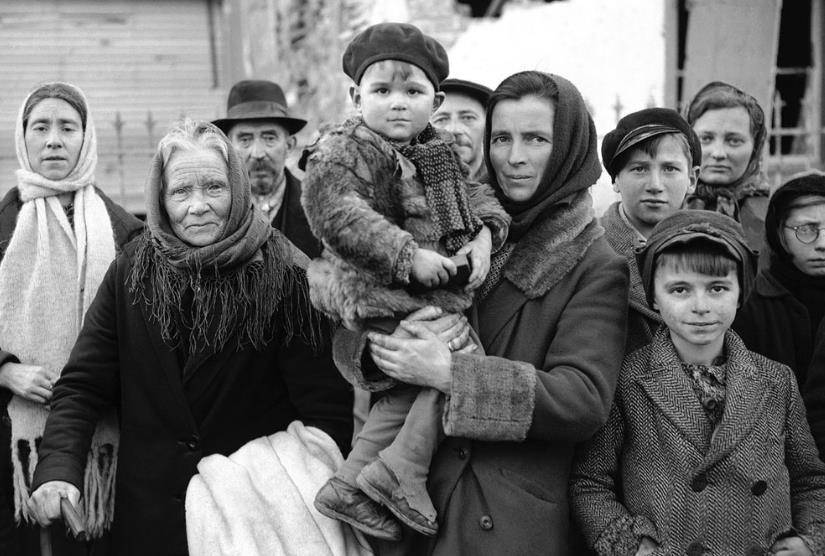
652, 157
387, 195
706, 449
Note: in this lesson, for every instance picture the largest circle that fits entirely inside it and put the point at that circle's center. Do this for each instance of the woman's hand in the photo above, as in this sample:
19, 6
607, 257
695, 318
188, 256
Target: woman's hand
27, 381
790, 546
452, 328
44, 504
478, 250
646, 547
422, 359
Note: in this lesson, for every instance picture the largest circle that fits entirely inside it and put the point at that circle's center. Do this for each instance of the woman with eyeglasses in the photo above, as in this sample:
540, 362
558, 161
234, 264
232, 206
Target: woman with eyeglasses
783, 317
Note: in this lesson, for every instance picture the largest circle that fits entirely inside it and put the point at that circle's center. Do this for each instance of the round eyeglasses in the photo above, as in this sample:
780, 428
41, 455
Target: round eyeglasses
806, 233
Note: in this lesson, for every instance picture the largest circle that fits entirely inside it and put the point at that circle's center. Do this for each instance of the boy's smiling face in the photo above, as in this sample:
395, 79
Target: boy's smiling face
396, 99
697, 308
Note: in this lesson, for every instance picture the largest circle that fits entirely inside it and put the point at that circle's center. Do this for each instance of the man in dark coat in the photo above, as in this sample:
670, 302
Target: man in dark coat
259, 126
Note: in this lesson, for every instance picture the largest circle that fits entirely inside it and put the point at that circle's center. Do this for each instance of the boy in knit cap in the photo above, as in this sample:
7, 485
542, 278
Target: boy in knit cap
707, 449
387, 195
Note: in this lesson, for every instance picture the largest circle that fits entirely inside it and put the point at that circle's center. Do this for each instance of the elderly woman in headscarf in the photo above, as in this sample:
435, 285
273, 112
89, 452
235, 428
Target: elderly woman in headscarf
731, 127
58, 233
202, 337
551, 317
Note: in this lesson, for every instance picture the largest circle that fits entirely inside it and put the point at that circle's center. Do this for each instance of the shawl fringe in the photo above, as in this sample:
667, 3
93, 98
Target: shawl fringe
250, 304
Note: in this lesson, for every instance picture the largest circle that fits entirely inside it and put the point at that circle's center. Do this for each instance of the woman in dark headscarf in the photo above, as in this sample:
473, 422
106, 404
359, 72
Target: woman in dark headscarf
202, 337
783, 317
731, 127
551, 317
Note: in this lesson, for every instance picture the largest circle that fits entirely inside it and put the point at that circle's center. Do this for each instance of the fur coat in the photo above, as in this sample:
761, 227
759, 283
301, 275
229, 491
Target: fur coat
658, 469
365, 202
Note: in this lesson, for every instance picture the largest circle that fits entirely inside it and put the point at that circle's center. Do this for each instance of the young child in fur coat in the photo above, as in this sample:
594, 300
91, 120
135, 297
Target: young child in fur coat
387, 196
706, 449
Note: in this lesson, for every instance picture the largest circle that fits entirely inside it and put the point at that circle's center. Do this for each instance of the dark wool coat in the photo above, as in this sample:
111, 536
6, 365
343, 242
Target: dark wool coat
291, 220
775, 324
499, 482
642, 321
120, 359
658, 469
364, 200
24, 540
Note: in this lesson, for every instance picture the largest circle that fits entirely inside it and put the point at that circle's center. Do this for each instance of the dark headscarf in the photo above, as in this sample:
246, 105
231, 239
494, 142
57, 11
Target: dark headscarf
688, 225
574, 163
234, 288
725, 198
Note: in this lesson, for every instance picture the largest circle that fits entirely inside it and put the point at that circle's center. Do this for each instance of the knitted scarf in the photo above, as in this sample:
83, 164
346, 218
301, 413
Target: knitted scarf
444, 188
244, 287
48, 278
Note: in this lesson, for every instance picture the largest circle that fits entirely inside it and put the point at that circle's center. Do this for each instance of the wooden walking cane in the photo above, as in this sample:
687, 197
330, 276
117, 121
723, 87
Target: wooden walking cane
71, 518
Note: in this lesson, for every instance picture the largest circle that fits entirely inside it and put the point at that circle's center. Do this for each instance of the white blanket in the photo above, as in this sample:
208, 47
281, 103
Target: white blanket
259, 500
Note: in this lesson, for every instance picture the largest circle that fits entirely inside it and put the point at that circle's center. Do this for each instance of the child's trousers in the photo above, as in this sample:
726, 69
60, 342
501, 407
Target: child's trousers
404, 430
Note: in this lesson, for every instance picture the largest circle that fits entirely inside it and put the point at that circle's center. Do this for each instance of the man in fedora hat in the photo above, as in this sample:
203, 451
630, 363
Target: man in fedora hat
463, 114
259, 126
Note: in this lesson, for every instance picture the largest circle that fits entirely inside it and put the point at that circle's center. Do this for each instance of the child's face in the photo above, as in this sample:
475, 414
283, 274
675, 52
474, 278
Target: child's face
396, 99
654, 187
697, 308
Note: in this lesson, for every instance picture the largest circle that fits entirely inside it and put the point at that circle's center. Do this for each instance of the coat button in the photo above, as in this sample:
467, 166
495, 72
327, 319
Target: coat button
486, 522
759, 488
462, 453
192, 443
699, 482
695, 549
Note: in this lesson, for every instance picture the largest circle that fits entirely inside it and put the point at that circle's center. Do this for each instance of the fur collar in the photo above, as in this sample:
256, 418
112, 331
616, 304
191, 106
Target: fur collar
553, 247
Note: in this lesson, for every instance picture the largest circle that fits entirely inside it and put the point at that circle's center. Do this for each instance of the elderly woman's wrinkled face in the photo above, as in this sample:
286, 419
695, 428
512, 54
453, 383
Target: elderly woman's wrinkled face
521, 141
197, 196
727, 144
803, 235
54, 137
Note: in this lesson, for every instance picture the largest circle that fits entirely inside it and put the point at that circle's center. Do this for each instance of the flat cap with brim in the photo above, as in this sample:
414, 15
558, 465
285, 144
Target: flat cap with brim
685, 226
396, 41
257, 99
641, 126
471, 89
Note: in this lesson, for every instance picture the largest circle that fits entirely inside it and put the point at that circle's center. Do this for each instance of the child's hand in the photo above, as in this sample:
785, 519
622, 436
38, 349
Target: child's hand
790, 546
478, 251
646, 547
431, 269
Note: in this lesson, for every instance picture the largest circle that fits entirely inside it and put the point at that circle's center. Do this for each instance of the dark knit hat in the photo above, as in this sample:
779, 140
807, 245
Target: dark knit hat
471, 89
396, 41
641, 126
685, 226
812, 183
257, 99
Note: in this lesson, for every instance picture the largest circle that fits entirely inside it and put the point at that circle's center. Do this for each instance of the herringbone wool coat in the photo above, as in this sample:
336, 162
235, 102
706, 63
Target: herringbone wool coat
658, 469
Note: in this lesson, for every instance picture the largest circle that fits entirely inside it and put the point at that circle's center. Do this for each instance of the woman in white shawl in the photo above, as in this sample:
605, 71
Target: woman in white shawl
58, 235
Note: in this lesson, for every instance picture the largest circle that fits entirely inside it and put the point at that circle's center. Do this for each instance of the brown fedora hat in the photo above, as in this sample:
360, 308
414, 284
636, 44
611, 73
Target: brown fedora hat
257, 99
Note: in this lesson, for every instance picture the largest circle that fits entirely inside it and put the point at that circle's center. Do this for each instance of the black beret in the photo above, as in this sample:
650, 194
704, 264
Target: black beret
471, 89
641, 126
396, 41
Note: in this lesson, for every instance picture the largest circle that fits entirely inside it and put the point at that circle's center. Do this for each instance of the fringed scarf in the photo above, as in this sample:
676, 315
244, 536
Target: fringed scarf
444, 188
48, 278
245, 287
551, 231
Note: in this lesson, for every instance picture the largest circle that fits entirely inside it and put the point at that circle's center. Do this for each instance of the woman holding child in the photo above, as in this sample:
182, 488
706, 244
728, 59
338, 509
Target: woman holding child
551, 319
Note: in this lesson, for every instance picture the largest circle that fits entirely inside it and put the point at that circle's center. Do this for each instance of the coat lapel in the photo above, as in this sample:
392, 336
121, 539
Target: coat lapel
498, 309
745, 398
169, 365
671, 392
